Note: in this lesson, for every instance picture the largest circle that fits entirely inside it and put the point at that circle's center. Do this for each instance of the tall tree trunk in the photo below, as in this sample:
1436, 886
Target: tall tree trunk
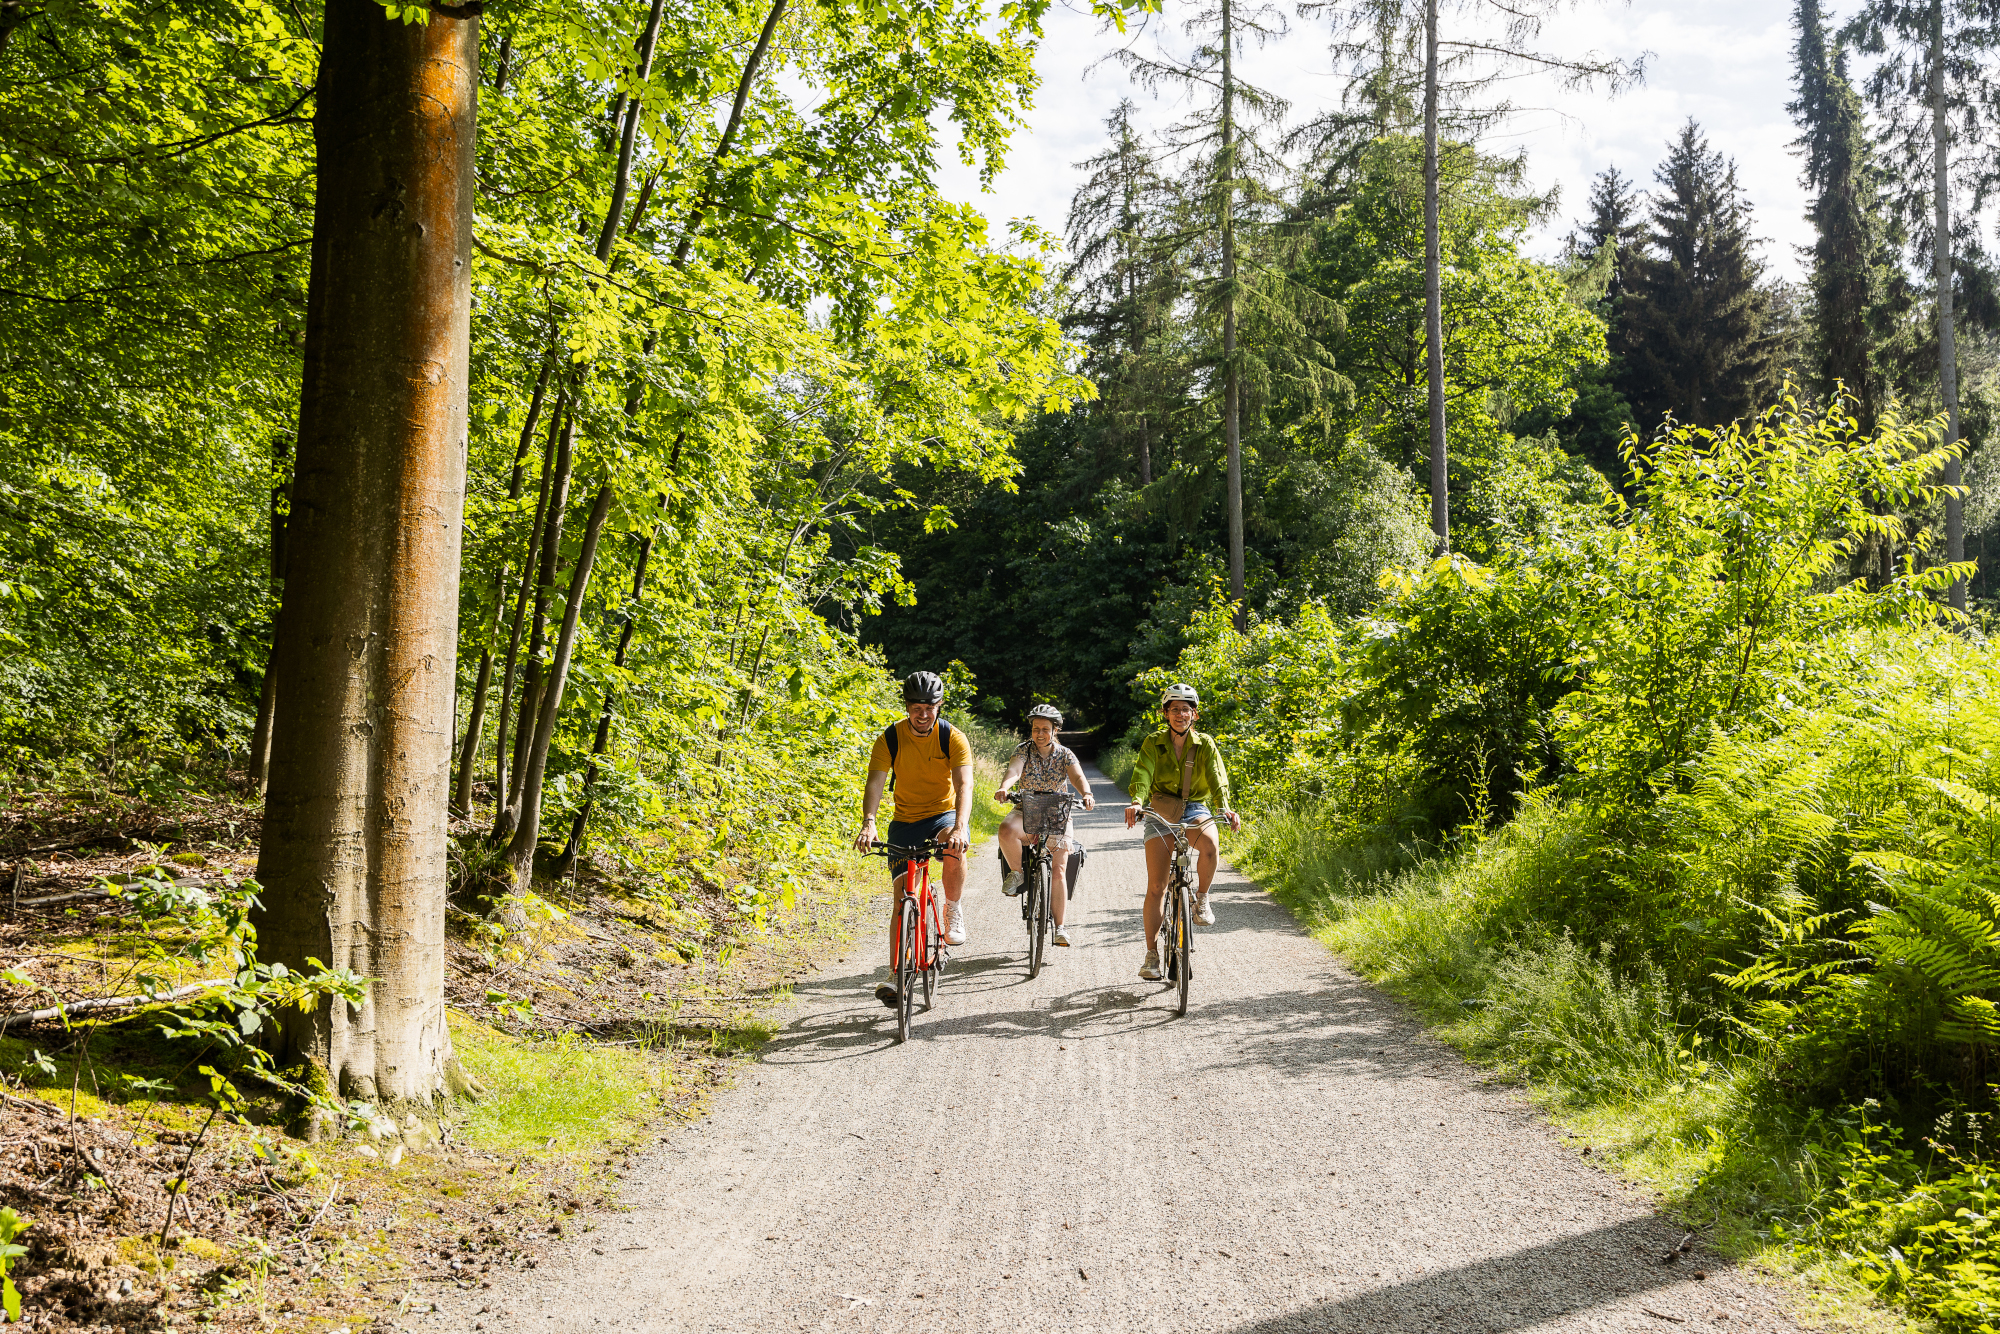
259, 763
1434, 289
501, 772
574, 845
507, 818
1954, 508
1232, 380
354, 861
468, 752
528, 829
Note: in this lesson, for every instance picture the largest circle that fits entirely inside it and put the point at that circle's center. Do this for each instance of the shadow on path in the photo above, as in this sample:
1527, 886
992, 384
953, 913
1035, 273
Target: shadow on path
1518, 1290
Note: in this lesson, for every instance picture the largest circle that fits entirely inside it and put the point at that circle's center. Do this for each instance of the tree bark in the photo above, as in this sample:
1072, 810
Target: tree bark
1954, 508
353, 861
1434, 290
1231, 375
528, 829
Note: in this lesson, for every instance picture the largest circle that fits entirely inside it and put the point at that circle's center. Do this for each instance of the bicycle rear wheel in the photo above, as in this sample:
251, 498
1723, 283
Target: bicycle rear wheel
906, 966
1184, 947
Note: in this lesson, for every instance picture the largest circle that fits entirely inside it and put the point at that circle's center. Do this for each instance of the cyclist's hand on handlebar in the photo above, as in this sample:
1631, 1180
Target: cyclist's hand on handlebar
1002, 795
1235, 821
865, 840
1089, 802
1131, 814
958, 840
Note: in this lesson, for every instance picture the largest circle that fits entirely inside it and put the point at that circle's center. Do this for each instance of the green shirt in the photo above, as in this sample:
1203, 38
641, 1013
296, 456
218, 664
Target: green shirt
1158, 769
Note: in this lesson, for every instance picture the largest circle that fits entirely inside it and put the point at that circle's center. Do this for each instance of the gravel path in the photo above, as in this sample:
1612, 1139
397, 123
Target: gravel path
1294, 1155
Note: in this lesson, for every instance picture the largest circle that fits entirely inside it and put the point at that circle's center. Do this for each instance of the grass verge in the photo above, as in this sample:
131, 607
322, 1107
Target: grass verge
1606, 1056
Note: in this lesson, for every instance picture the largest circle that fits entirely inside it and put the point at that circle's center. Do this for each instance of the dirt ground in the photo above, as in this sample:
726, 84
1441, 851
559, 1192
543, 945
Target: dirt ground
270, 1234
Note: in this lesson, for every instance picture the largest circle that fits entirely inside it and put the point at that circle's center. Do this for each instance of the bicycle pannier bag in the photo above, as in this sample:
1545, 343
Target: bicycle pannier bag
1076, 860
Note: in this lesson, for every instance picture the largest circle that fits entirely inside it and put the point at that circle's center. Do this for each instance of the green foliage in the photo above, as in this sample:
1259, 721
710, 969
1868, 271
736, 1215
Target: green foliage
12, 1225
1659, 805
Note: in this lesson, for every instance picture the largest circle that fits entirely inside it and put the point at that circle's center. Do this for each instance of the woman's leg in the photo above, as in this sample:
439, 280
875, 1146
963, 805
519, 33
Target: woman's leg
1058, 872
1010, 841
1202, 840
1159, 855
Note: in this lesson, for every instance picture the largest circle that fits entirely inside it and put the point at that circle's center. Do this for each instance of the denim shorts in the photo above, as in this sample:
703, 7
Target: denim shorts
1197, 812
910, 834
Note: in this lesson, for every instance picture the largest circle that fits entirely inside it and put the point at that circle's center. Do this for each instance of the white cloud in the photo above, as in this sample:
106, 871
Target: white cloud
1727, 63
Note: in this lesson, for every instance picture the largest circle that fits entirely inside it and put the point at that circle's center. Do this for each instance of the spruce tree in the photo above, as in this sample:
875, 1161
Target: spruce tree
1850, 276
1931, 85
1125, 282
1691, 332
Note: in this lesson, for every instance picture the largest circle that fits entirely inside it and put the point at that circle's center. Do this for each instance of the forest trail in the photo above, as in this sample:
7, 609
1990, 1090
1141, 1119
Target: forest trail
1296, 1154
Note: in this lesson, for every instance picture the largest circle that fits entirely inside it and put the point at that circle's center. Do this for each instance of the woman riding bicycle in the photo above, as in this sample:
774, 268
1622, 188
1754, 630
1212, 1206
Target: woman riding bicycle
1041, 771
1185, 766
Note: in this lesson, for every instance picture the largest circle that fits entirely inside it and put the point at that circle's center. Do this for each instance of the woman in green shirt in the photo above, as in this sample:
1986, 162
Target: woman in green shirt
1174, 753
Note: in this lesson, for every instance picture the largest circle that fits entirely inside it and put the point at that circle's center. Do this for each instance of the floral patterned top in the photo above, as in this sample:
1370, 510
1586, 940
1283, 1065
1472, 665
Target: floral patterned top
1044, 773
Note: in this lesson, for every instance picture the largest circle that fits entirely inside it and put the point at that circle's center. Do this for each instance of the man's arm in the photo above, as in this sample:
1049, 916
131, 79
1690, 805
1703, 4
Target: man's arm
961, 832
871, 801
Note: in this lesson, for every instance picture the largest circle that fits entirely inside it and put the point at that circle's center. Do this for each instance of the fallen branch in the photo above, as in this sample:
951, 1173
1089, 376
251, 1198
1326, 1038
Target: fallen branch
106, 1003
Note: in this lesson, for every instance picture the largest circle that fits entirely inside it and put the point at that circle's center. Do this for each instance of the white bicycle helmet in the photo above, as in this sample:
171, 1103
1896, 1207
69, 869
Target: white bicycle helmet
1182, 691
1048, 711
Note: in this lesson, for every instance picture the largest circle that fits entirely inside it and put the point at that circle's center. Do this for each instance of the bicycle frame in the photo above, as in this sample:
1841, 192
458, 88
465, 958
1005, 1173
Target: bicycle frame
917, 869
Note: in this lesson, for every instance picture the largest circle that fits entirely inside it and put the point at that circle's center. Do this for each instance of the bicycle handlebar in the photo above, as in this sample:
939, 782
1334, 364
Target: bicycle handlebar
924, 851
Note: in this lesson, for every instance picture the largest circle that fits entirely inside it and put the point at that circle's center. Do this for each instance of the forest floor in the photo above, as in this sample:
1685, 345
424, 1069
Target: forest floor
614, 1013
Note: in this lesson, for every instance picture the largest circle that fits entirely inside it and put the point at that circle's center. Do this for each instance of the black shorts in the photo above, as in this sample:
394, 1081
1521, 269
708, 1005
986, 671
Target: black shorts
908, 834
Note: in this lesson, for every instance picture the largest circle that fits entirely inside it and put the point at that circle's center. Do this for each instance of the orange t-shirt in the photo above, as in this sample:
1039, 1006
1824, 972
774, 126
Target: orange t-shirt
924, 786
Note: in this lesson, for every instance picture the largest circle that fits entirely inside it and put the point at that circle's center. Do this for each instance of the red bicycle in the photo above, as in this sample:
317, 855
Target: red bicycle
916, 940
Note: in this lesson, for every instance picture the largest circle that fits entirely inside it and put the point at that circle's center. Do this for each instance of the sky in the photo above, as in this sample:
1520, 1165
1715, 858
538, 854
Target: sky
1727, 63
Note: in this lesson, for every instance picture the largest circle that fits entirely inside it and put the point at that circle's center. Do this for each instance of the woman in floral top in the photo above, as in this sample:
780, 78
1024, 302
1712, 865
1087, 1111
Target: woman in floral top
1041, 770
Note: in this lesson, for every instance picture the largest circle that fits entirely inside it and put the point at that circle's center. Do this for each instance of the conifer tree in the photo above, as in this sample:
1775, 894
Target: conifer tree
1936, 97
1849, 276
1125, 282
1691, 333
1227, 191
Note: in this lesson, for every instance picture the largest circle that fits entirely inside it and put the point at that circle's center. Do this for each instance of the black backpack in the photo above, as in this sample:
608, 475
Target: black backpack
889, 739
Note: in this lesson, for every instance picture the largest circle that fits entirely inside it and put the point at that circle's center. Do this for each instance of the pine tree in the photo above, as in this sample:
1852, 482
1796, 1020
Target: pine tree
1227, 201
1614, 217
1125, 283
1850, 274
1932, 87
1692, 329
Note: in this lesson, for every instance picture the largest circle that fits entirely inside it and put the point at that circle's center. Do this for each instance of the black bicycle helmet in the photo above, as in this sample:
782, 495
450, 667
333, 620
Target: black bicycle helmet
1048, 711
923, 688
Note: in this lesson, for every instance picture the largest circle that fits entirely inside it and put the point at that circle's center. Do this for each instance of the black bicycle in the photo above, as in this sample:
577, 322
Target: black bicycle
916, 941
1037, 866
1177, 915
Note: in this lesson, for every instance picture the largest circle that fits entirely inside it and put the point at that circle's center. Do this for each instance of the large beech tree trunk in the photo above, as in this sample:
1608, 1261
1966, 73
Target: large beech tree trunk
353, 863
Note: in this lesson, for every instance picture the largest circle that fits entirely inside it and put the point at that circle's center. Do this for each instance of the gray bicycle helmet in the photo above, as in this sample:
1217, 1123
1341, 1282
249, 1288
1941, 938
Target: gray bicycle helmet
1048, 711
1182, 691
923, 688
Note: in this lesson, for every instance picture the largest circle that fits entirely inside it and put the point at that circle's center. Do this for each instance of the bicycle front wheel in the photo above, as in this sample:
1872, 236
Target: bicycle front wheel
933, 958
1183, 943
1038, 912
906, 966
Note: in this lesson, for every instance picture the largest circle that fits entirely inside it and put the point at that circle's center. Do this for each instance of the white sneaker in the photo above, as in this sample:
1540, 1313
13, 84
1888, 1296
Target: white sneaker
1202, 912
954, 924
1150, 970
1010, 881
1062, 935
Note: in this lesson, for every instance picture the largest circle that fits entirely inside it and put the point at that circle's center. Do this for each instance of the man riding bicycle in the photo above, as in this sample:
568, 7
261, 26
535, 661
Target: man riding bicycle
1184, 765
1042, 771
928, 762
